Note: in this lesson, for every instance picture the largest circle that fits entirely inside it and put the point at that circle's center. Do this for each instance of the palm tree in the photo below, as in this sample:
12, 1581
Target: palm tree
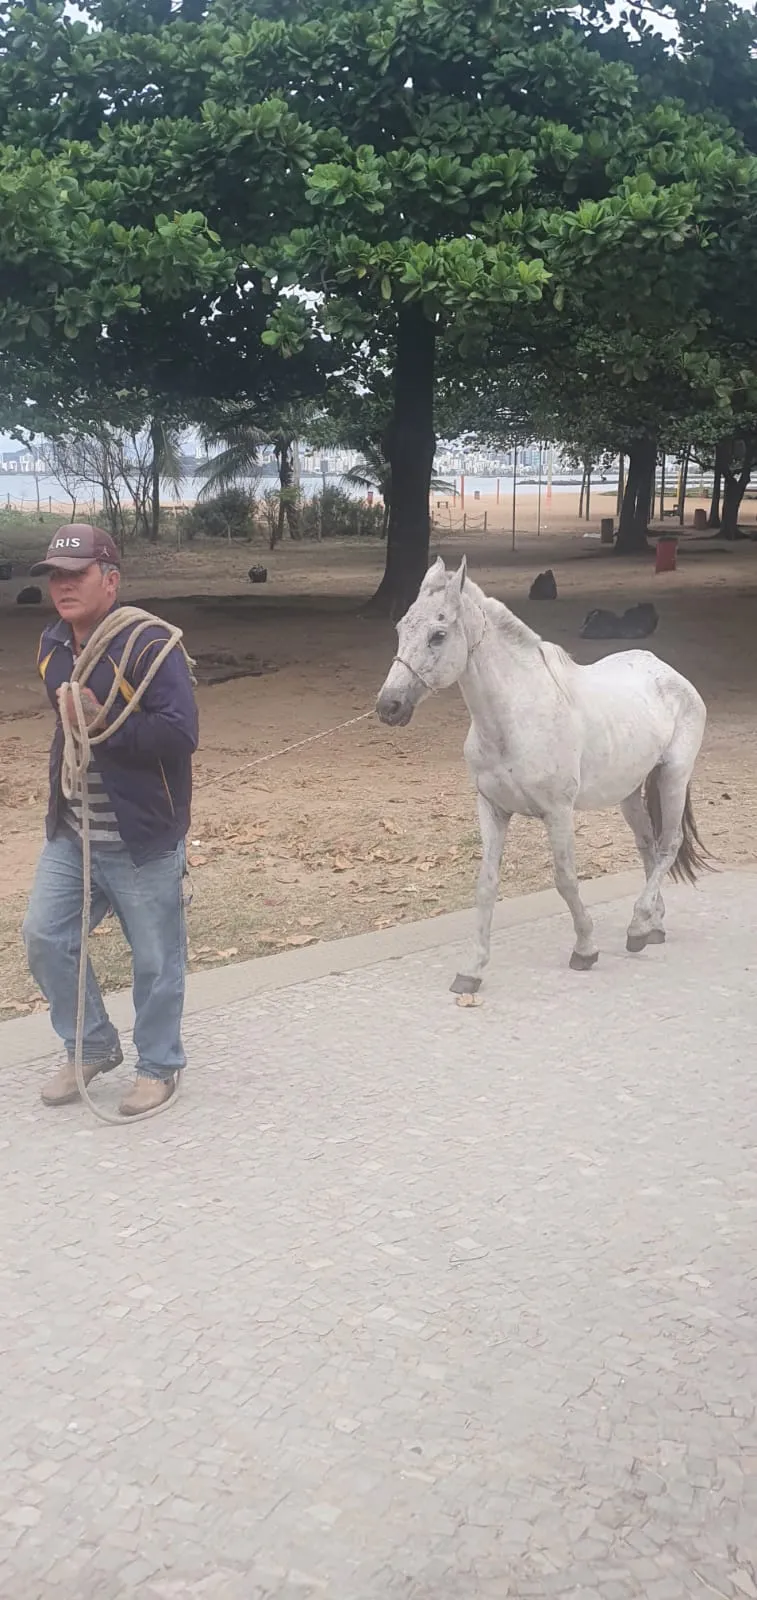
373, 471
237, 460
289, 424
238, 430
167, 467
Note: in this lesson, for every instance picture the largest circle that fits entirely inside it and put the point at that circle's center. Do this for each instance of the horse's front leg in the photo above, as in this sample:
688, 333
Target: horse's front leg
560, 829
493, 824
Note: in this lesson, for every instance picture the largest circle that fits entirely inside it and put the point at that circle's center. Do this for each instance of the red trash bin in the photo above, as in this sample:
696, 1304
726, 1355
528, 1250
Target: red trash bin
667, 553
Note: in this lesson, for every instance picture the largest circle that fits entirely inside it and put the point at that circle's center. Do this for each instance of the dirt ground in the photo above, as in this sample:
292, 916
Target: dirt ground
369, 826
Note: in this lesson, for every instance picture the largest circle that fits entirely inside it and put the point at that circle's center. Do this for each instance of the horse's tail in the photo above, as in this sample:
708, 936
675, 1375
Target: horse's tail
693, 857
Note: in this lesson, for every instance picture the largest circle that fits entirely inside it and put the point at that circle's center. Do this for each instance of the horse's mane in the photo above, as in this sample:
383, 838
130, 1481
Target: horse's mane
556, 660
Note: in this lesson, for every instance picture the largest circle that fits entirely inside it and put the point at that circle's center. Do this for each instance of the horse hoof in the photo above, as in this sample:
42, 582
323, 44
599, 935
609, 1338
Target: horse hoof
463, 985
583, 963
657, 936
636, 942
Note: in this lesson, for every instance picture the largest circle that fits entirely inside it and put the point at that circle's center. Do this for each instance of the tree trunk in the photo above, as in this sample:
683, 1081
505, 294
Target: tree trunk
637, 498
734, 488
108, 509
735, 483
156, 439
621, 483
279, 532
277, 528
409, 444
721, 465
289, 510
713, 520
293, 517
293, 514
683, 483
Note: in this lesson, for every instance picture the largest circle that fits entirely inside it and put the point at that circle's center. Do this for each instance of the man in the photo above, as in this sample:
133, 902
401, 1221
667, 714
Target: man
140, 784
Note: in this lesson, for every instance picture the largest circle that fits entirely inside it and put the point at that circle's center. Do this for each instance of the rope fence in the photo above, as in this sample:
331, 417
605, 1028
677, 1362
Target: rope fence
47, 505
446, 520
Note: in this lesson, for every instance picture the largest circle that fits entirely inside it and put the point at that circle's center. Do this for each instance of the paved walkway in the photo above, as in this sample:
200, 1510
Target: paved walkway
404, 1301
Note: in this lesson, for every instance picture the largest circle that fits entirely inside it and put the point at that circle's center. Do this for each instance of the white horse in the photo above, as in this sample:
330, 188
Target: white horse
548, 738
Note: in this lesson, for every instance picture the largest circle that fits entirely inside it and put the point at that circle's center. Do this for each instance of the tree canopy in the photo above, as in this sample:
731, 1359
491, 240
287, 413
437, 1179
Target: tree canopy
240, 203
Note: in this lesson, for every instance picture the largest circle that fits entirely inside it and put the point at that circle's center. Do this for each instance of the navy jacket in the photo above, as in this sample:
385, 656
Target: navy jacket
146, 767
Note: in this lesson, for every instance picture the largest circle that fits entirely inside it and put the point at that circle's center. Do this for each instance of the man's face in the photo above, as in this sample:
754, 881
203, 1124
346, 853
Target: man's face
83, 598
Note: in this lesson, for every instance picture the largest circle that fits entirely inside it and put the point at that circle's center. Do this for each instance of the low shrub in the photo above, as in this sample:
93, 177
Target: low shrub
230, 515
334, 514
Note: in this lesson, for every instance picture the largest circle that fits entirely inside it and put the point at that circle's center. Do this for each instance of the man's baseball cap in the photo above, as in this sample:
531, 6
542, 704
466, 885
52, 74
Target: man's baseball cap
75, 547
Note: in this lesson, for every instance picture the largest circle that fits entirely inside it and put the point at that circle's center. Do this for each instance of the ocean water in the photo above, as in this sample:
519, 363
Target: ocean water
19, 491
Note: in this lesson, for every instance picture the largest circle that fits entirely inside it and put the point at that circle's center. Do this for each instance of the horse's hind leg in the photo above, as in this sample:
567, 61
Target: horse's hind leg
560, 829
640, 823
493, 825
673, 782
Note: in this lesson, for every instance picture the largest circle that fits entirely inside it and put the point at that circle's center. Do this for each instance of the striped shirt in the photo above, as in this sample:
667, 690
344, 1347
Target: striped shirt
103, 828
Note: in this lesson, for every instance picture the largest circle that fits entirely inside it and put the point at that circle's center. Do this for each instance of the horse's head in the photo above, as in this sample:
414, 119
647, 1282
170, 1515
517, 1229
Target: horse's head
433, 646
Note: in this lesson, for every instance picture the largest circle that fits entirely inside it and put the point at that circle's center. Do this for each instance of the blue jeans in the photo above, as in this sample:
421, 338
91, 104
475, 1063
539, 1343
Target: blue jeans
149, 903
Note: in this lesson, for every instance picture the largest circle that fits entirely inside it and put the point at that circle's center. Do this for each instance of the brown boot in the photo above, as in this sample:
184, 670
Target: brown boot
61, 1089
146, 1095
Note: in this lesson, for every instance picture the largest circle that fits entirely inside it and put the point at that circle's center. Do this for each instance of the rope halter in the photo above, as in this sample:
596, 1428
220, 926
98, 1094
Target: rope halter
472, 648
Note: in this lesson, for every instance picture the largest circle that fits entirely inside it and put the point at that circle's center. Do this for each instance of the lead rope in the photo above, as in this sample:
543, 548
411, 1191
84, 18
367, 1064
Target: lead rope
78, 739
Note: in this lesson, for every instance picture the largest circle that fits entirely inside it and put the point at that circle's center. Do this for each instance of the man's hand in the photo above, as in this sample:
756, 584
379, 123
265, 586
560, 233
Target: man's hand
90, 705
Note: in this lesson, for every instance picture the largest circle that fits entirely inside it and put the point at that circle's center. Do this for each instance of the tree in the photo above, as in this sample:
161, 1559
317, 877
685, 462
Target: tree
455, 173
735, 459
122, 463
667, 364
238, 439
713, 71
373, 472
106, 299
599, 397
241, 431
63, 461
166, 466
452, 245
